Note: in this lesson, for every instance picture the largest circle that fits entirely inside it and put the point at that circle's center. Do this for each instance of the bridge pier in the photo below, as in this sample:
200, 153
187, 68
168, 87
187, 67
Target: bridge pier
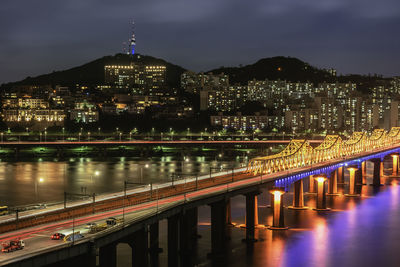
218, 227
298, 196
187, 235
139, 245
154, 238
364, 172
376, 180
228, 212
340, 175
108, 255
395, 168
278, 221
321, 196
352, 182
154, 247
359, 176
332, 184
311, 185
251, 215
173, 239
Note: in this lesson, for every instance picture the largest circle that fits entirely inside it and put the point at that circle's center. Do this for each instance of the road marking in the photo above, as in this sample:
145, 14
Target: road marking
41, 235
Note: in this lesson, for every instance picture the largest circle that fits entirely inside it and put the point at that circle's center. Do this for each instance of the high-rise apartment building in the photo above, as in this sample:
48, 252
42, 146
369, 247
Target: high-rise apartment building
142, 79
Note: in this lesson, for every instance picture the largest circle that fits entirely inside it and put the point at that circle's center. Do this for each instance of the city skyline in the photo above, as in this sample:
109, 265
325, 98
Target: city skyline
356, 37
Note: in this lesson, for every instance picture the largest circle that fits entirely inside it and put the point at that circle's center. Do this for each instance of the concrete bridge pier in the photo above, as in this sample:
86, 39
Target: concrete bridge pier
187, 235
311, 185
395, 168
364, 172
321, 194
108, 255
251, 215
154, 238
173, 240
378, 164
228, 212
352, 182
340, 175
298, 196
278, 221
154, 247
218, 227
358, 176
139, 245
332, 184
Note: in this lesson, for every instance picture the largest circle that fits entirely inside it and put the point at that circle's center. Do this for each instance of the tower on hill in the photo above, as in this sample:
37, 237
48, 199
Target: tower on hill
132, 40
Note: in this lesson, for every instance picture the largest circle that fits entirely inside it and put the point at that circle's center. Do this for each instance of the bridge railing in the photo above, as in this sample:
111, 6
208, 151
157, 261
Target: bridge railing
299, 152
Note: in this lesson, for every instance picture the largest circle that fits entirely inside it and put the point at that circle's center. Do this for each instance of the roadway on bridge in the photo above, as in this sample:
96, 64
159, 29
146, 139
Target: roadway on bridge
38, 239
145, 142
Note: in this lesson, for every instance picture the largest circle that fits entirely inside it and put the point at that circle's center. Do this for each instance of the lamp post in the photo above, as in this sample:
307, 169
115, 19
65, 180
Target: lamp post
79, 137
45, 136
63, 133
40, 137
89, 136
120, 134
2, 137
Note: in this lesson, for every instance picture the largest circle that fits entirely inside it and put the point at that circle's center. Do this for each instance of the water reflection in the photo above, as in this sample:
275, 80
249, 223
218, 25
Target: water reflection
19, 181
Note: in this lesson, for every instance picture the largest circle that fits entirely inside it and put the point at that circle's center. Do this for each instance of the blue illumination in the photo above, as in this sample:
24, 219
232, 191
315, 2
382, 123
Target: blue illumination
287, 181
133, 50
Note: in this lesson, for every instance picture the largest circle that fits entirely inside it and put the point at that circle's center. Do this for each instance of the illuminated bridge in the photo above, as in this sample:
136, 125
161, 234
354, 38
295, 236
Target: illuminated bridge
138, 211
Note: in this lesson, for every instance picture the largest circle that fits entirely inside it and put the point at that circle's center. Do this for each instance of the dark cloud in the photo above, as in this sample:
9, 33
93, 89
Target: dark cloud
354, 36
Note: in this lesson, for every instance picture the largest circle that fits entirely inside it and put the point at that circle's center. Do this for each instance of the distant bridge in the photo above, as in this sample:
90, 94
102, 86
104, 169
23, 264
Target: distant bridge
178, 202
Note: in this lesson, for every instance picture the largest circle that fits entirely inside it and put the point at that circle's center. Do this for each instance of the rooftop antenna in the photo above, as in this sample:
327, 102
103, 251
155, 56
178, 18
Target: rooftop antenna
132, 40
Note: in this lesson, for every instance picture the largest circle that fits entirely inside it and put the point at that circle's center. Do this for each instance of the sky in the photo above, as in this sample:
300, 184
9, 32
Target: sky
352, 36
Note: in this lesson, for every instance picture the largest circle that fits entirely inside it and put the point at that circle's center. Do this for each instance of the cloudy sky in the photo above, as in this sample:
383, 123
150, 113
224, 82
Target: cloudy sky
353, 36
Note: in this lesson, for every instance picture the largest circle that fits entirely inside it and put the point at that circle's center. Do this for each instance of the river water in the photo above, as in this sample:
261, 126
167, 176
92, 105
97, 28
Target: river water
40, 181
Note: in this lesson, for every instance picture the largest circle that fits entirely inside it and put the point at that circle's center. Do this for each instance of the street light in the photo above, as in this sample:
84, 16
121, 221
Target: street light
79, 137
89, 136
45, 136
63, 133
120, 134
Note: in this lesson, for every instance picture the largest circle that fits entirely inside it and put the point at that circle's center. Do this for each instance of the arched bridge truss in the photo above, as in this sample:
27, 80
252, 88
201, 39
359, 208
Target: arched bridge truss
299, 152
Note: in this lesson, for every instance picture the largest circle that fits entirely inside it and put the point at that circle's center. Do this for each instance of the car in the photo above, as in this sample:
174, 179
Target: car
111, 221
73, 236
57, 236
12, 245
90, 225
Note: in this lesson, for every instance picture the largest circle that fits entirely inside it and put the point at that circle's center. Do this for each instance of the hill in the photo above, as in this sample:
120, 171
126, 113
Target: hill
92, 73
283, 68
